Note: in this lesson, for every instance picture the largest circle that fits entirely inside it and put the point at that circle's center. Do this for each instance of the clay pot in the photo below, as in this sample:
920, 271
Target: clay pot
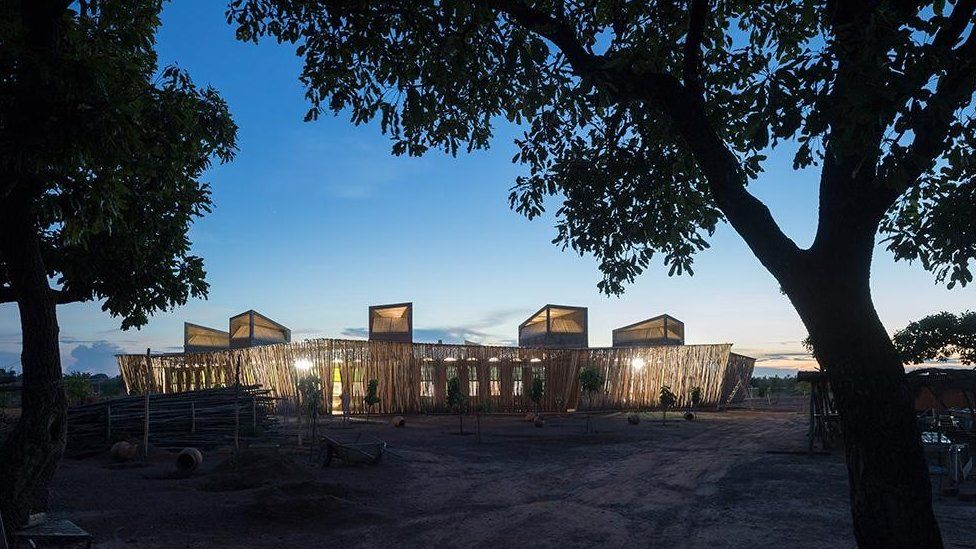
123, 451
398, 421
188, 460
633, 419
690, 416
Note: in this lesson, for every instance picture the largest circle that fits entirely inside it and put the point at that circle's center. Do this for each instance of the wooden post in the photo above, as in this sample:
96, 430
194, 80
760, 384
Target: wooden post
108, 423
193, 417
145, 427
237, 406
254, 412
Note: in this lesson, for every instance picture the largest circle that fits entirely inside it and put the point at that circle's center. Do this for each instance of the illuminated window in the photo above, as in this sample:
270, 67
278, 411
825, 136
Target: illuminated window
517, 380
495, 375
426, 380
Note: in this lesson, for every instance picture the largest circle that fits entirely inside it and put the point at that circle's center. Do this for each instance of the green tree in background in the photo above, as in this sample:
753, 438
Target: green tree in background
648, 119
99, 183
939, 337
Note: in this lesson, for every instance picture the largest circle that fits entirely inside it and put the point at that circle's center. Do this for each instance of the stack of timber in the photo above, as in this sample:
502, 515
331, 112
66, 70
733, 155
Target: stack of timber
203, 419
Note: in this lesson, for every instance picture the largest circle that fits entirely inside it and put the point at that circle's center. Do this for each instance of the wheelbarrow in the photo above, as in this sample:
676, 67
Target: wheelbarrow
353, 449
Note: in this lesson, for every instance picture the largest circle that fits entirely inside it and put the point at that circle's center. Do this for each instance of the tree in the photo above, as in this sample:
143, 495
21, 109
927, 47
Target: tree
938, 337
650, 119
536, 393
590, 382
310, 392
695, 397
456, 400
667, 399
77, 387
371, 399
99, 182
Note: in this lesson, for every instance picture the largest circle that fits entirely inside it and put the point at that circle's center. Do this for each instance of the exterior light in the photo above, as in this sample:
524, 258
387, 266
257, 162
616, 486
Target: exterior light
537, 359
472, 359
450, 359
303, 364
493, 359
337, 361
637, 363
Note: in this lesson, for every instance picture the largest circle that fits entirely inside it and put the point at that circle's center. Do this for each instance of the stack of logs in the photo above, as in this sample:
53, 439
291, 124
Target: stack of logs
203, 419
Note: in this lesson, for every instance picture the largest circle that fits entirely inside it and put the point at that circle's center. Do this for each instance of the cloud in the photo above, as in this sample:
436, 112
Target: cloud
97, 358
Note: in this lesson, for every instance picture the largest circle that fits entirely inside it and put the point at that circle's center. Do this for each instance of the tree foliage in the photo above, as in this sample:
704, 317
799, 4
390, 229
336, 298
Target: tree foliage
941, 337
648, 118
110, 150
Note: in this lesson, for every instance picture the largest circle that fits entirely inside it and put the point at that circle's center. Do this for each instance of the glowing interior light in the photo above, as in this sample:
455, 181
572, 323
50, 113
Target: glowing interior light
450, 359
536, 360
303, 364
337, 361
493, 359
637, 363
471, 359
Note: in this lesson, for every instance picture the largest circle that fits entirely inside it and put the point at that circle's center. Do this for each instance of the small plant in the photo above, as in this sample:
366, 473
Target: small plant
371, 399
456, 400
667, 400
696, 397
482, 408
590, 382
310, 392
538, 390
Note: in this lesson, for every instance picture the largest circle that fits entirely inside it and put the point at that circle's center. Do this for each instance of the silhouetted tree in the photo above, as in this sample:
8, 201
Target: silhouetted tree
371, 399
939, 337
590, 382
537, 391
650, 118
456, 400
99, 182
666, 399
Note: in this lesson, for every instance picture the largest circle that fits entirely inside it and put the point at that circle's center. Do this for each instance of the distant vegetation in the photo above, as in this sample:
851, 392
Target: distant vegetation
782, 386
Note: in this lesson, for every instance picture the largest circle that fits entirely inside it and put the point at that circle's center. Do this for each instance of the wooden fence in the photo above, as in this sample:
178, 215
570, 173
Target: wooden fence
413, 376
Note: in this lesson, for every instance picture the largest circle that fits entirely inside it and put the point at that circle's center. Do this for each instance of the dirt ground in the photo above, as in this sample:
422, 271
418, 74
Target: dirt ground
732, 479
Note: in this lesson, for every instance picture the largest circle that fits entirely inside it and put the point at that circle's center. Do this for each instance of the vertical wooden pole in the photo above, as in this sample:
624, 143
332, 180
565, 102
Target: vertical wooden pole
193, 417
108, 423
254, 412
145, 427
237, 406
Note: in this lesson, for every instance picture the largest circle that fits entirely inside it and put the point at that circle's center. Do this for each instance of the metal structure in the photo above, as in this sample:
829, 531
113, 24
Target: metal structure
658, 330
202, 339
251, 328
393, 322
555, 326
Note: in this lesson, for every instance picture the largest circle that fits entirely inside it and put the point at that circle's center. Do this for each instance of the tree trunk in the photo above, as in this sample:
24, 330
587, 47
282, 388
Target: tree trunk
30, 455
890, 490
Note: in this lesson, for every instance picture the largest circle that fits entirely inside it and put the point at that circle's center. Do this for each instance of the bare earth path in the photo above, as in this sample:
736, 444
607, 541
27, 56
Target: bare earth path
709, 483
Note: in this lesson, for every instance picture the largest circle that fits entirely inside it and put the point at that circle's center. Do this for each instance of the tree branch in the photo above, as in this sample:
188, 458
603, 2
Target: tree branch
931, 126
726, 180
692, 68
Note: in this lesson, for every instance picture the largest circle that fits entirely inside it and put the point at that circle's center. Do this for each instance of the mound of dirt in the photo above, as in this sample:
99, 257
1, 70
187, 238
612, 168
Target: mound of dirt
253, 469
300, 502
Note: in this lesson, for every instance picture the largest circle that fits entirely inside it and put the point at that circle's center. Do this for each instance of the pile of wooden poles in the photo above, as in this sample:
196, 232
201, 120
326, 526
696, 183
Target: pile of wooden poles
203, 419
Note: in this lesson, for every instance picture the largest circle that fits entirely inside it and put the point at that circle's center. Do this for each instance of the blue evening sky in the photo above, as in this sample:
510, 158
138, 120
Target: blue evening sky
315, 221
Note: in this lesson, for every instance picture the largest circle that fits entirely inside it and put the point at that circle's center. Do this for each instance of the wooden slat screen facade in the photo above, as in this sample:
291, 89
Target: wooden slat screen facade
413, 376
